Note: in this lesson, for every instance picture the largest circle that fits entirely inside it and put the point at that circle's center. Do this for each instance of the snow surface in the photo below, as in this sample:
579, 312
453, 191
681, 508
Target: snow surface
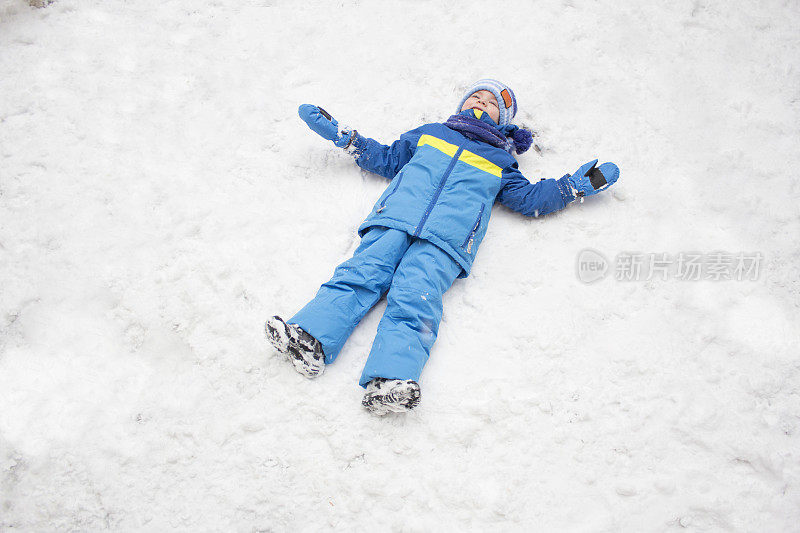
160, 198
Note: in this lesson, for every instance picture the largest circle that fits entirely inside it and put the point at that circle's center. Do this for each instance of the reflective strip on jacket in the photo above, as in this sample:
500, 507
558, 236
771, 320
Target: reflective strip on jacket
444, 185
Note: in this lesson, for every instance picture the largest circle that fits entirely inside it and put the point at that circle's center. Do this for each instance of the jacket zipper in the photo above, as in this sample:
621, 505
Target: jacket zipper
471, 237
394, 190
438, 191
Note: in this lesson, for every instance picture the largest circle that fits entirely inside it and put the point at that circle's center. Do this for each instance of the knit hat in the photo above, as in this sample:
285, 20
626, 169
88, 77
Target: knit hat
506, 100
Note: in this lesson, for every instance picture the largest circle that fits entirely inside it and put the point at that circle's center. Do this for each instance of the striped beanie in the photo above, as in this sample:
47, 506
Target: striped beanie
506, 100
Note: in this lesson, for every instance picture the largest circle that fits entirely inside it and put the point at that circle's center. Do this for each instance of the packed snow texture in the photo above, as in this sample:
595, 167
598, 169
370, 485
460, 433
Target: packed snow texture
160, 198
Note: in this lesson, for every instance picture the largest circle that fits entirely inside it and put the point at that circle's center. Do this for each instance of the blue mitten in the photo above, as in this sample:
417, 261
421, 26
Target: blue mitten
321, 122
591, 179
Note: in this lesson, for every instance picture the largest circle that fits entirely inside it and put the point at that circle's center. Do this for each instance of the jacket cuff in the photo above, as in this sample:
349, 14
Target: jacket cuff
565, 188
358, 144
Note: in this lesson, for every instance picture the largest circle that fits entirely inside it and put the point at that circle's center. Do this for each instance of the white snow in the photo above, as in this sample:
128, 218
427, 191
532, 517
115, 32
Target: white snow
160, 198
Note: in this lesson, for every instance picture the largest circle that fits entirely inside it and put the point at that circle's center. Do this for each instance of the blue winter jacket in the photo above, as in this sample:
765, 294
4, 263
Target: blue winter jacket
444, 185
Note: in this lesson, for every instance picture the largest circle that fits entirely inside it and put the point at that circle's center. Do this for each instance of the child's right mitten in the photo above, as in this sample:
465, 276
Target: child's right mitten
591, 179
325, 125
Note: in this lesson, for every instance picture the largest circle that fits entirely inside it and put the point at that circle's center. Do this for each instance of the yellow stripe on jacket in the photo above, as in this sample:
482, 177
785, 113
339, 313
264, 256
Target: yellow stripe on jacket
466, 156
480, 163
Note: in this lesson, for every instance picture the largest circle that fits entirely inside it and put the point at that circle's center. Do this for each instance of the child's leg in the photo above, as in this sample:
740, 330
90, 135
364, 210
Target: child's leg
410, 324
355, 287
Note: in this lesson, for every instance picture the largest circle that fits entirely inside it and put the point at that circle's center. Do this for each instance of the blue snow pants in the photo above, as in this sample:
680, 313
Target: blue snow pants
415, 272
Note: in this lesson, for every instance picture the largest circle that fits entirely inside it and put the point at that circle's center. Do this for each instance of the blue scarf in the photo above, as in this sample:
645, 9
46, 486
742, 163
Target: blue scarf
481, 129
486, 130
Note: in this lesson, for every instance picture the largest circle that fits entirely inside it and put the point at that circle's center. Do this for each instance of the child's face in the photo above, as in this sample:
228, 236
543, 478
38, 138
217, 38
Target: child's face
485, 101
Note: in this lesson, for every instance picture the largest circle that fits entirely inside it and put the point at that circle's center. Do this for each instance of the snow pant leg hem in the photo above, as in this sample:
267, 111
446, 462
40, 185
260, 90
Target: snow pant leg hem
398, 371
329, 348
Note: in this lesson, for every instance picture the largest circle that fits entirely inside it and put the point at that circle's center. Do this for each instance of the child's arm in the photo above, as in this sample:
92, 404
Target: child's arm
369, 153
533, 199
548, 195
381, 159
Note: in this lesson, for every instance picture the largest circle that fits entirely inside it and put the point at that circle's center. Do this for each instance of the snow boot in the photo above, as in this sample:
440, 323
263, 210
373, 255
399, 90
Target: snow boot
303, 350
391, 395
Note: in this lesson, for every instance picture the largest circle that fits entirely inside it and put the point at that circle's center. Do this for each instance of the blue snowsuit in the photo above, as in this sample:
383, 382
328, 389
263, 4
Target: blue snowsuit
423, 232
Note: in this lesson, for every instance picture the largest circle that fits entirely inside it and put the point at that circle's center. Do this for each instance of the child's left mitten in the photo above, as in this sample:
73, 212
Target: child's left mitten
327, 127
591, 179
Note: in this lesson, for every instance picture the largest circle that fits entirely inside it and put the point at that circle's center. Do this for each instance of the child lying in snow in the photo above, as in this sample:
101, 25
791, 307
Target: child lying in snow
422, 234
